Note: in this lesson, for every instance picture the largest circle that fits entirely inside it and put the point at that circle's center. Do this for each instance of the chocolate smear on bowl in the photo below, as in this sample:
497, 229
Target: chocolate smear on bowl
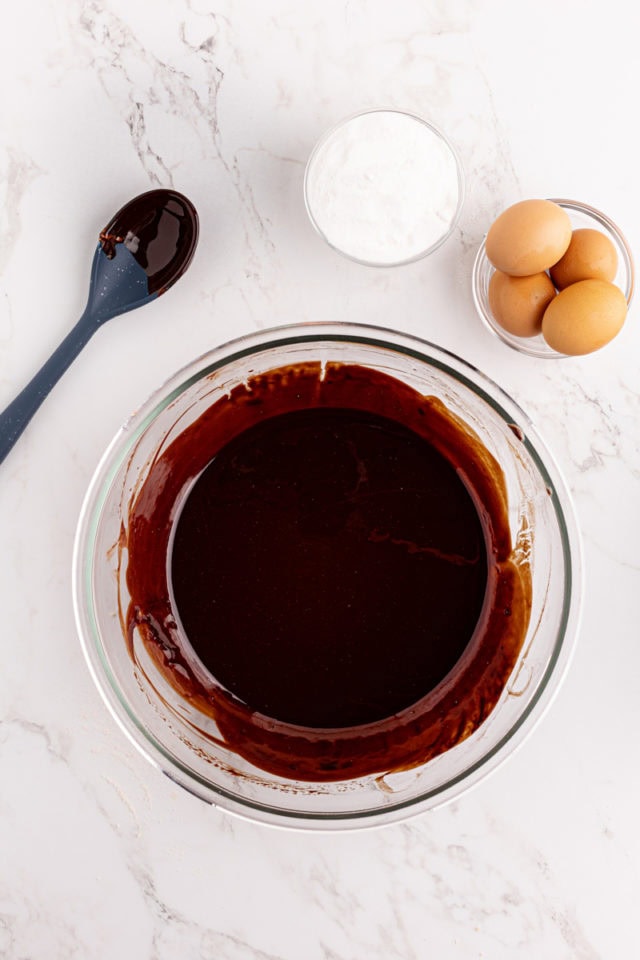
322, 563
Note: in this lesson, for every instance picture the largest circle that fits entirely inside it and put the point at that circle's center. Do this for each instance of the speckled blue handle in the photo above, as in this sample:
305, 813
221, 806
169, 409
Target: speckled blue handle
116, 286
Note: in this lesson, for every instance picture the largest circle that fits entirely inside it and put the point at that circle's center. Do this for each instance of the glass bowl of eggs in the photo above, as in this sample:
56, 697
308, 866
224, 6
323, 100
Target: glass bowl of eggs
553, 278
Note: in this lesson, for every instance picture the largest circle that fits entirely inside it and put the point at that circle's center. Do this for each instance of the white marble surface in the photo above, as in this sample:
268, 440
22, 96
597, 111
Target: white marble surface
102, 857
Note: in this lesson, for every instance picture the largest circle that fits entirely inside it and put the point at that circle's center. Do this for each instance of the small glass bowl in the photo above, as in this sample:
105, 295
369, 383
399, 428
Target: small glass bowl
163, 726
319, 222
581, 216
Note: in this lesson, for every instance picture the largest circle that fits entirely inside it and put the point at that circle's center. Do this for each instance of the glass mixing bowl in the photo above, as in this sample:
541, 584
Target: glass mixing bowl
164, 728
582, 216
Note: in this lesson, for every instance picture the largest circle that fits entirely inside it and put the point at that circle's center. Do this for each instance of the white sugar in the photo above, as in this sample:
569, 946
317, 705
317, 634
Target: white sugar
383, 187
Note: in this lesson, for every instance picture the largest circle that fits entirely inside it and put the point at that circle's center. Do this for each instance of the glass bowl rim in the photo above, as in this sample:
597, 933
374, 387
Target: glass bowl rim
117, 452
522, 347
326, 136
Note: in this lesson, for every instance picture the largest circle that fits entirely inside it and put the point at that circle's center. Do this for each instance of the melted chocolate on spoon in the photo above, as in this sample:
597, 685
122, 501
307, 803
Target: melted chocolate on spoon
157, 228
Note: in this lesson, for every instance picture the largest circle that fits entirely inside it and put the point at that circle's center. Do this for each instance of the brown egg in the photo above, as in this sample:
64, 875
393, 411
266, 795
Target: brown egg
584, 317
590, 256
518, 303
528, 237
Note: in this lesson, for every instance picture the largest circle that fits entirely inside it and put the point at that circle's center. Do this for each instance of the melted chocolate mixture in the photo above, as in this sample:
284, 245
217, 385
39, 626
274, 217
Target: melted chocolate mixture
341, 566
329, 567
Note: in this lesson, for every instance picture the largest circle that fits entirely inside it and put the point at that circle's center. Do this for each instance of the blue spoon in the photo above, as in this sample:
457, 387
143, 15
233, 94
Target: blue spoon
142, 251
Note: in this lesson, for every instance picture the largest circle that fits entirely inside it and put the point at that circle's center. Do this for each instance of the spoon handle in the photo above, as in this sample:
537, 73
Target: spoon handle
17, 415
